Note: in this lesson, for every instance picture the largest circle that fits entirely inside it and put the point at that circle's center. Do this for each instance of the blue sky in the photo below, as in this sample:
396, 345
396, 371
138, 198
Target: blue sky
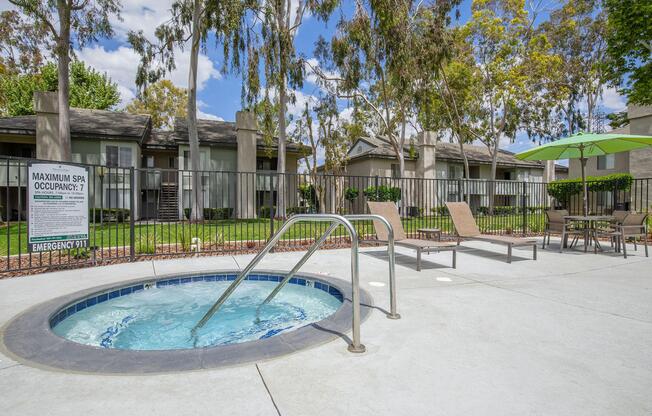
219, 94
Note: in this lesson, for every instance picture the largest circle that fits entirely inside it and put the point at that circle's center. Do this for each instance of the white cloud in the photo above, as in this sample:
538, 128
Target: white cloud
143, 15
208, 116
121, 65
611, 100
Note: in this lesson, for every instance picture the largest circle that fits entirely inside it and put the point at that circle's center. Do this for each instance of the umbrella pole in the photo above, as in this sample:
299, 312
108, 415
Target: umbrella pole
585, 202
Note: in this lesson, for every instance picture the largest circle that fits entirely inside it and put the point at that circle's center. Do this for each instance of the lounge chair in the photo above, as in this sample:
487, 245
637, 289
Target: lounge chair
466, 228
389, 211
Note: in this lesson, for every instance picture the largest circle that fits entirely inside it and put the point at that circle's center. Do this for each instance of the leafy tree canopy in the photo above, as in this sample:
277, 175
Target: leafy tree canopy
163, 101
88, 89
629, 44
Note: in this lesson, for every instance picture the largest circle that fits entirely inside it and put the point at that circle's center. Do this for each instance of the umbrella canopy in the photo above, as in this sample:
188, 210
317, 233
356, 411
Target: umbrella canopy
584, 145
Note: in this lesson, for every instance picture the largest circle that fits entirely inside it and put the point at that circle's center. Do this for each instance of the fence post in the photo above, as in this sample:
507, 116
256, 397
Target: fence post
132, 214
524, 206
271, 204
376, 186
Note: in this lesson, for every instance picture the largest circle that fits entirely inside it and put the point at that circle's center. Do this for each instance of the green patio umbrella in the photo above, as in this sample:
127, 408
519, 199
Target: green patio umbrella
584, 145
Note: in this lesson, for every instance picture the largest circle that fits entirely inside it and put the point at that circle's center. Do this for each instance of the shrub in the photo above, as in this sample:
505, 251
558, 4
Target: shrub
297, 210
308, 194
146, 243
212, 213
563, 190
440, 210
382, 193
351, 194
263, 212
109, 214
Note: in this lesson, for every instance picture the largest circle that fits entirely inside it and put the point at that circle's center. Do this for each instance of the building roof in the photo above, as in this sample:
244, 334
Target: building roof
449, 151
210, 132
101, 124
87, 124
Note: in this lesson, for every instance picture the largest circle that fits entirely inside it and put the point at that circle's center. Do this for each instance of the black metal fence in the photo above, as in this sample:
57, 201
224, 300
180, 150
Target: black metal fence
145, 213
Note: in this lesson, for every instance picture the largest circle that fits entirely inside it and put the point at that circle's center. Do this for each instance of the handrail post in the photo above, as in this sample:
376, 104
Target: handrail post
390, 253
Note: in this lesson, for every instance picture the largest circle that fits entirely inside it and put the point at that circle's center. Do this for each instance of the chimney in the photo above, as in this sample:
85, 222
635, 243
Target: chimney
549, 171
246, 131
427, 155
48, 145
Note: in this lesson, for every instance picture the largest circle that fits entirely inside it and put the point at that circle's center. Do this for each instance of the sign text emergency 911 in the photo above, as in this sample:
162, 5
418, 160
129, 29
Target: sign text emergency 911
58, 207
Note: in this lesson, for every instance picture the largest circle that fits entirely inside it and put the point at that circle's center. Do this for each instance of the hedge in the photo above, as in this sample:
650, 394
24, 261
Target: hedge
382, 193
213, 213
562, 190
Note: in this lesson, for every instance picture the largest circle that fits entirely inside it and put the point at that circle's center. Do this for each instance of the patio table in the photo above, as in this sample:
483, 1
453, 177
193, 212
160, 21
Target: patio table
589, 227
430, 233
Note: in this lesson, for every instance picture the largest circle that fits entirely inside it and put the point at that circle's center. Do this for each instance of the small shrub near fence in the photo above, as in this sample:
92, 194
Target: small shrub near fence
510, 210
382, 193
213, 213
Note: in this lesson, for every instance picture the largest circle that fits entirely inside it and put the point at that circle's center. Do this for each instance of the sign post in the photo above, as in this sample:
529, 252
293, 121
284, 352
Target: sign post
57, 204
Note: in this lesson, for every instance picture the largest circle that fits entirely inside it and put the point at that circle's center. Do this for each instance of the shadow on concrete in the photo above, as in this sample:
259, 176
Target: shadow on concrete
411, 261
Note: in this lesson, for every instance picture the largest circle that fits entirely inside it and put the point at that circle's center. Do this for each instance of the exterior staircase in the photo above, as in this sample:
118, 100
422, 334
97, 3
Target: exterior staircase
168, 207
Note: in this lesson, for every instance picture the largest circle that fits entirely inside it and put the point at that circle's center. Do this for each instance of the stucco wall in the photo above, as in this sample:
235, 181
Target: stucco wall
621, 165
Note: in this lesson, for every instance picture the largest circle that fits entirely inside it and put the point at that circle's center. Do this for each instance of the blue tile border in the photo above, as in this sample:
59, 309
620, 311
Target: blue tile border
82, 304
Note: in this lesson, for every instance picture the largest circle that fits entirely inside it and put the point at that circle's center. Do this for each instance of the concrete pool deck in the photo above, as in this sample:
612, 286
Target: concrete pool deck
569, 334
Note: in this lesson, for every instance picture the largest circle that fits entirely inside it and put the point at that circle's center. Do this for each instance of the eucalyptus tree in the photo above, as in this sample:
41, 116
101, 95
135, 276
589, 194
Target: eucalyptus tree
377, 57
319, 128
577, 33
191, 22
68, 23
450, 100
22, 44
279, 22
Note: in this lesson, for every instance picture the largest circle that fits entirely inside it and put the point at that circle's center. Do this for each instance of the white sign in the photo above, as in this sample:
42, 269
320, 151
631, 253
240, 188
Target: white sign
57, 202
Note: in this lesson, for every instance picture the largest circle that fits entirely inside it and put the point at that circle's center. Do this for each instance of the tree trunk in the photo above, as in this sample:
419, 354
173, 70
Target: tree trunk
280, 168
196, 194
63, 72
467, 169
494, 164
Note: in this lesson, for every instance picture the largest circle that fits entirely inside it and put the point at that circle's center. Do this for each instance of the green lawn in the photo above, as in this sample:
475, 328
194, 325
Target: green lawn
179, 235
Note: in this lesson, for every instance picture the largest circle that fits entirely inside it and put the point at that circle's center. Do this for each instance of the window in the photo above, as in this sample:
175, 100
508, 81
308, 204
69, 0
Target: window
606, 162
148, 161
266, 164
118, 156
172, 162
396, 171
455, 172
187, 164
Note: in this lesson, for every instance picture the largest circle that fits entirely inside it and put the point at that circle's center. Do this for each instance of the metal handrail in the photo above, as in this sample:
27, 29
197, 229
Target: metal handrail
390, 253
296, 268
355, 345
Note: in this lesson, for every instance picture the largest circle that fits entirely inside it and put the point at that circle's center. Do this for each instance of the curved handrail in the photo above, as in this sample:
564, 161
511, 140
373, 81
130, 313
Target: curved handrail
355, 345
390, 253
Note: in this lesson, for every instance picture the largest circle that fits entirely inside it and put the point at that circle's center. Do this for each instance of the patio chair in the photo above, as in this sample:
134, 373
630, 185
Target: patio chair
467, 229
633, 225
555, 223
389, 211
